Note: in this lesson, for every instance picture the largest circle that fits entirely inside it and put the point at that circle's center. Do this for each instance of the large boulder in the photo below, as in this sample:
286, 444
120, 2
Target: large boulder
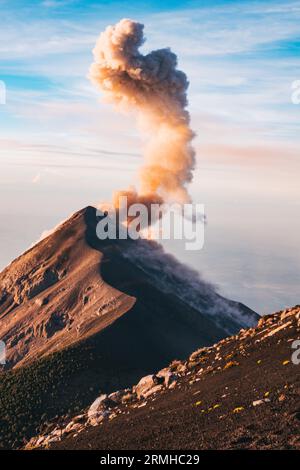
100, 409
146, 384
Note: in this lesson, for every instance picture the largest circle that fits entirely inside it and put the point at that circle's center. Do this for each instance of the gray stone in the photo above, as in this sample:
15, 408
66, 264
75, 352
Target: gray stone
261, 402
144, 385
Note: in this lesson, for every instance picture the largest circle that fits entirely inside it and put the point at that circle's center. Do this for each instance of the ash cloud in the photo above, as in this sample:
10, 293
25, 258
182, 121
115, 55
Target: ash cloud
152, 87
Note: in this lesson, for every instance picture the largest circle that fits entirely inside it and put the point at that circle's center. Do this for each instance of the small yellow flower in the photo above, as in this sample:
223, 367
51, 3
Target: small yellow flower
285, 362
198, 403
238, 409
267, 394
217, 406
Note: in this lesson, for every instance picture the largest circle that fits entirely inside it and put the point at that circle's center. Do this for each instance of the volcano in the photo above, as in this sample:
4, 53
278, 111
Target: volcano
72, 286
81, 316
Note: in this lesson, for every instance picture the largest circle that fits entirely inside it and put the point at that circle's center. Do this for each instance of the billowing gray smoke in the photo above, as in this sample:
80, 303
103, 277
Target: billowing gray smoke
151, 86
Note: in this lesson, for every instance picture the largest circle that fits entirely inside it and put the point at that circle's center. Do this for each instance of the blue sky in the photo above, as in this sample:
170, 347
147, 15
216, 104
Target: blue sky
61, 148
241, 57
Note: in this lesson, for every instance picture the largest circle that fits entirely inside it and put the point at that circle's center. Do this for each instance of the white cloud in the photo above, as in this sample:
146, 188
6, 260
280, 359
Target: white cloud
229, 29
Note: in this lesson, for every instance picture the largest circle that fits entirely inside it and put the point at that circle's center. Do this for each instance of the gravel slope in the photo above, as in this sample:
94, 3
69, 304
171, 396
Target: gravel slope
211, 406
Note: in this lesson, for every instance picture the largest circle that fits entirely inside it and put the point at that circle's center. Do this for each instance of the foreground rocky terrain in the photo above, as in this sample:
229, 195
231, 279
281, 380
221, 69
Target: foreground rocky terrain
243, 392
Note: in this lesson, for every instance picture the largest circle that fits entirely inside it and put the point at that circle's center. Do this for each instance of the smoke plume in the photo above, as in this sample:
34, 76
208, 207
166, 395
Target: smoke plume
152, 86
